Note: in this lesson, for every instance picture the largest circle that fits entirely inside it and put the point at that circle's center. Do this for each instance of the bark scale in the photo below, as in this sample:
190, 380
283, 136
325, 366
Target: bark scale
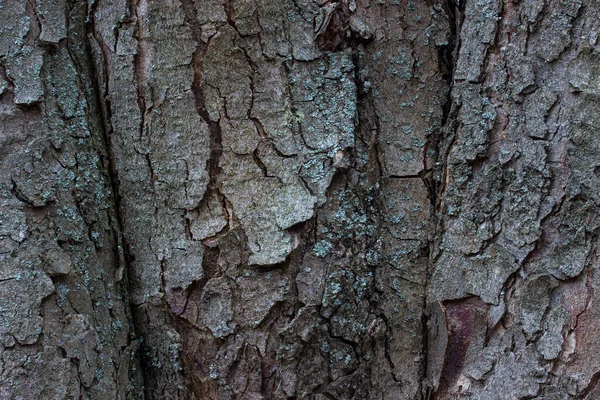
301, 199
65, 323
514, 264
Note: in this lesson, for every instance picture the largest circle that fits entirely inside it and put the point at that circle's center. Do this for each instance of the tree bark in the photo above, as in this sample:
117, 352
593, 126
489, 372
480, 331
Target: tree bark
349, 199
65, 322
514, 264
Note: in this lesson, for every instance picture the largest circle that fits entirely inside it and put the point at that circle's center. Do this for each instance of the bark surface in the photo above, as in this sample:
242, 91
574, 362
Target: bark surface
514, 265
65, 323
303, 199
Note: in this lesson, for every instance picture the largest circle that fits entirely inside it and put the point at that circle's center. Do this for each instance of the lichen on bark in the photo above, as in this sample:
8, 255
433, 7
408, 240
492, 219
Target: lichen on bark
240, 199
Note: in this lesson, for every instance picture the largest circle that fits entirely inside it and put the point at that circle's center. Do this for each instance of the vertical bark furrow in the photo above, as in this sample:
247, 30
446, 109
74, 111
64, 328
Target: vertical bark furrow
66, 327
311, 243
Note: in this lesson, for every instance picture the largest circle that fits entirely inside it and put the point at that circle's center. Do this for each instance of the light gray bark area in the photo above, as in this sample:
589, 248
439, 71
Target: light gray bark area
514, 267
65, 326
271, 161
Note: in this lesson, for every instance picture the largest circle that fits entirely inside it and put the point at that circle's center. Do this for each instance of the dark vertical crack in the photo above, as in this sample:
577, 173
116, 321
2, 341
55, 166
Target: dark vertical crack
230, 12
80, 51
210, 260
138, 60
35, 25
81, 26
216, 143
437, 149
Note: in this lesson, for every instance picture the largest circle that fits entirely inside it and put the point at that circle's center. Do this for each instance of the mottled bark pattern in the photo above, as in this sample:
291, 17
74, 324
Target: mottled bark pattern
299, 199
271, 161
65, 325
515, 269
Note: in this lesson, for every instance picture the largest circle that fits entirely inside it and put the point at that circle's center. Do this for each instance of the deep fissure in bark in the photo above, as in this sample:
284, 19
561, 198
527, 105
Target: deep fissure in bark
79, 32
436, 153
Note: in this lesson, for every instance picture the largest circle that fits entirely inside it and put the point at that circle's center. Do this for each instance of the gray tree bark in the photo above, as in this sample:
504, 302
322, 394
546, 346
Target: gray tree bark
65, 323
305, 199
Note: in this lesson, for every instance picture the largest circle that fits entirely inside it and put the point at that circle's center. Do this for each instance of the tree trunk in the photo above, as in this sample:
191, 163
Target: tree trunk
66, 328
299, 199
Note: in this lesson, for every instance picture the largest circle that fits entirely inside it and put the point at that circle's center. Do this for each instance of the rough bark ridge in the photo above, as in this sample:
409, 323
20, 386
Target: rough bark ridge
65, 325
319, 199
514, 268
271, 167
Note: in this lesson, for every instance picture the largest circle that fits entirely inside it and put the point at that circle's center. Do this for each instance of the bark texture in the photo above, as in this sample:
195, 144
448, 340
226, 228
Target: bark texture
65, 323
270, 177
514, 265
302, 199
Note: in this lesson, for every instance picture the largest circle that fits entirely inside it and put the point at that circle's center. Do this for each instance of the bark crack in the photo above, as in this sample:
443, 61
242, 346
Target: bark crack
435, 176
